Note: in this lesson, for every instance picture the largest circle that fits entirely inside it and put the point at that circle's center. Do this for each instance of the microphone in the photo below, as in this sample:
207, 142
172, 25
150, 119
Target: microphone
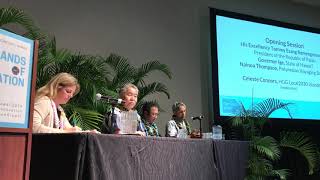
197, 117
109, 99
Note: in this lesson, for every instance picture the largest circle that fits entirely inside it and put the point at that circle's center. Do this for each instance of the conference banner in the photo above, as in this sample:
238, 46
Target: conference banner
16, 59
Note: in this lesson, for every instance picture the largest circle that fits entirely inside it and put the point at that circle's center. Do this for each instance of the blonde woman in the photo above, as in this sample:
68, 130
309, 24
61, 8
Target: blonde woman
48, 116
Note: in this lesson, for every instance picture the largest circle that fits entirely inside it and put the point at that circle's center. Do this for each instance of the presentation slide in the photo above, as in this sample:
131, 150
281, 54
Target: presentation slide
258, 61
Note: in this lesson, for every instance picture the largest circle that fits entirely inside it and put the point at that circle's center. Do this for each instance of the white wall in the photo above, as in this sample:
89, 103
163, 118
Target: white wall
175, 32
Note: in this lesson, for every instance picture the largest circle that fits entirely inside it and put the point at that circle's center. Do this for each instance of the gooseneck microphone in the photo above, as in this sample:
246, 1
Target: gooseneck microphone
197, 117
109, 99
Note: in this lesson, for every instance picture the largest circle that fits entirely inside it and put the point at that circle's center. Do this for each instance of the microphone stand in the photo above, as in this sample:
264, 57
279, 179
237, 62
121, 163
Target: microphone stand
114, 124
113, 121
200, 128
114, 128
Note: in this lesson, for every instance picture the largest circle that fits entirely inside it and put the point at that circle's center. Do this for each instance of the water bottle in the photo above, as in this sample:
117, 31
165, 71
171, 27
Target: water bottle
217, 132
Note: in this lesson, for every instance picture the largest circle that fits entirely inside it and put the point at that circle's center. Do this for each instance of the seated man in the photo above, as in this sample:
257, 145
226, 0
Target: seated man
150, 112
125, 116
178, 126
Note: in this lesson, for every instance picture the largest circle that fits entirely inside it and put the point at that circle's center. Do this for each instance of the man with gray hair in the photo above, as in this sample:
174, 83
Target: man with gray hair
125, 116
178, 126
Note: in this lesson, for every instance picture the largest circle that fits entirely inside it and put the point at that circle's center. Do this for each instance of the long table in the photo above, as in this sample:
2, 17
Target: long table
86, 156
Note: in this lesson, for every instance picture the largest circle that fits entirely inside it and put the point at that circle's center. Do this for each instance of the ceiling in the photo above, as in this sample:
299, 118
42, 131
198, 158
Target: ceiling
314, 3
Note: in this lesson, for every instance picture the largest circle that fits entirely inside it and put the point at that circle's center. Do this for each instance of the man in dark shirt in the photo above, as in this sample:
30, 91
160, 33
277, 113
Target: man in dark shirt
150, 112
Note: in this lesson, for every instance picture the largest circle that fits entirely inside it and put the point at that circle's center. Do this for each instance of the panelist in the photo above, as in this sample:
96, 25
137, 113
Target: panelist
150, 112
49, 116
178, 126
125, 115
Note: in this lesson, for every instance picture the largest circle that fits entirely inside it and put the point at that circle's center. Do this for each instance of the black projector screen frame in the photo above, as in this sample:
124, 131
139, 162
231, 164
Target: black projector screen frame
254, 59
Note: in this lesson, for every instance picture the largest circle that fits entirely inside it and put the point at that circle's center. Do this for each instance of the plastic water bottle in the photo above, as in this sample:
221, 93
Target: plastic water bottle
217, 132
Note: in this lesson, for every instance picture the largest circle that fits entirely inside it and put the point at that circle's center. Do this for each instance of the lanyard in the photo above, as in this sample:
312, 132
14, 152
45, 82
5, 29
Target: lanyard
57, 122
